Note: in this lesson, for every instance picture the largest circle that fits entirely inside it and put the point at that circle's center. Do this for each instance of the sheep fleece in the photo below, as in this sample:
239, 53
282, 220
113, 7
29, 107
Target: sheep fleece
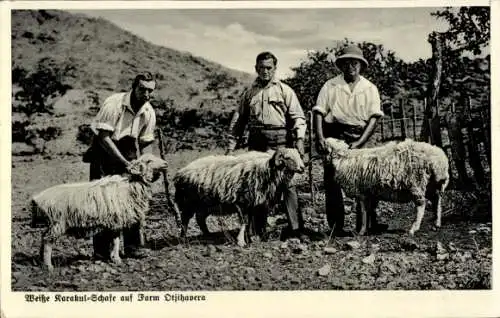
111, 202
246, 179
393, 172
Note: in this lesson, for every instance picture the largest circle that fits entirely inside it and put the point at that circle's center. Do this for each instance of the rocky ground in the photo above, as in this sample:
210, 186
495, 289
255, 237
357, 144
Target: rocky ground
458, 256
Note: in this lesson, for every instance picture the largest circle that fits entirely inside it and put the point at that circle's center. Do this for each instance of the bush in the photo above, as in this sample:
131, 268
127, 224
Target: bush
84, 134
41, 85
24, 132
19, 132
192, 128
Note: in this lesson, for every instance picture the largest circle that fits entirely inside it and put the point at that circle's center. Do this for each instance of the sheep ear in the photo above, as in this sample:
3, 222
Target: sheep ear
148, 173
136, 168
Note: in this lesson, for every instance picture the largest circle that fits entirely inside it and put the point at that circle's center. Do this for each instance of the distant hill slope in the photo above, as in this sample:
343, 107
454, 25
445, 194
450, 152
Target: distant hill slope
106, 57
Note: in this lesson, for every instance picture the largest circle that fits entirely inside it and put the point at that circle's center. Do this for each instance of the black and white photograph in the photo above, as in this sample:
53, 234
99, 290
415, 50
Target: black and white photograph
249, 148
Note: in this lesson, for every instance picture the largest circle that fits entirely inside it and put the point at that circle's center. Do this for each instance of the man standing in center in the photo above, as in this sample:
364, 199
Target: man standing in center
274, 117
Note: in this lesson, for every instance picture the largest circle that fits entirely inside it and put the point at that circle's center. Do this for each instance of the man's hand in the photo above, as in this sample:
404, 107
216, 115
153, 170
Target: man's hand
299, 145
320, 145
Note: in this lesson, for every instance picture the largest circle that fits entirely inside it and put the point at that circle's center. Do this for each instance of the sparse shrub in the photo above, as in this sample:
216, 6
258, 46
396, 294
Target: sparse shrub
218, 82
18, 74
84, 134
24, 132
28, 35
159, 76
49, 133
19, 131
92, 97
93, 102
41, 85
189, 128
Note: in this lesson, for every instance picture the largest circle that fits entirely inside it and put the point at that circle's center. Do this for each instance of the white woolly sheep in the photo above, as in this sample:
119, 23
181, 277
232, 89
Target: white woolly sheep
109, 204
399, 172
224, 185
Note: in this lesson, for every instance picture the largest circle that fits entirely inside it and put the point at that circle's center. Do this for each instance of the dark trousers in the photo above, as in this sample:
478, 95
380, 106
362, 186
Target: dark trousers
334, 205
290, 204
102, 165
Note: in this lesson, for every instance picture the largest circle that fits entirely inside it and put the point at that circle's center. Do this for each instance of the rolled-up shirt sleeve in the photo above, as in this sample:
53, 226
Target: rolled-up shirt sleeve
295, 112
107, 116
148, 132
375, 109
322, 101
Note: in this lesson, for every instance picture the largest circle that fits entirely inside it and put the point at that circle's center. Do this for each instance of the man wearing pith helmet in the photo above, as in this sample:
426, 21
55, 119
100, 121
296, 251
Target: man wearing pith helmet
347, 108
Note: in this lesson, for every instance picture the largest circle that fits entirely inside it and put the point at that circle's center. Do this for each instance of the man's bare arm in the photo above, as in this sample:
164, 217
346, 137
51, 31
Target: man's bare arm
104, 138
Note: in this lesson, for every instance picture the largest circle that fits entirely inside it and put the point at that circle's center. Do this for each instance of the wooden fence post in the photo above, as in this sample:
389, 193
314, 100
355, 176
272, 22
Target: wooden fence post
486, 135
457, 144
431, 130
474, 157
382, 123
414, 122
392, 122
403, 118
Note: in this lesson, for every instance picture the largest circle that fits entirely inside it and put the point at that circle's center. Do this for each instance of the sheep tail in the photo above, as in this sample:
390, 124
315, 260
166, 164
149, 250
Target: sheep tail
440, 172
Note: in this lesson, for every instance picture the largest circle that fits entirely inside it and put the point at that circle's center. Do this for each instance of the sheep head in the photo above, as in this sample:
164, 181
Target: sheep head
334, 148
147, 168
288, 159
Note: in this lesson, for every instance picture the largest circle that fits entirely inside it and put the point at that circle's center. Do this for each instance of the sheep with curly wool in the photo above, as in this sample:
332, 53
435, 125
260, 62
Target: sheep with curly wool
109, 204
242, 184
400, 172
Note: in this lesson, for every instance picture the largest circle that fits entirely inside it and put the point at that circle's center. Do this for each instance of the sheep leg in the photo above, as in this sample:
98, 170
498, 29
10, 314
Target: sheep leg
372, 214
115, 249
140, 230
362, 214
437, 209
201, 219
244, 224
46, 249
420, 207
186, 216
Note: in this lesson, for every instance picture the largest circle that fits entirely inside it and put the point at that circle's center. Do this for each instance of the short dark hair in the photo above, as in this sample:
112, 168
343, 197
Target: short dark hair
265, 56
146, 76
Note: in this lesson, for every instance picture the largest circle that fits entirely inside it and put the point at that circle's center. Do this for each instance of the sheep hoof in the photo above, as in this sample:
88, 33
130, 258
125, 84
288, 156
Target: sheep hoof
411, 232
116, 260
241, 243
48, 267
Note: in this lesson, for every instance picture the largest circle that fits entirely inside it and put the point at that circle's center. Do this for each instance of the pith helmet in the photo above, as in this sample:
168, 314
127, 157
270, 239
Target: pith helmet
353, 52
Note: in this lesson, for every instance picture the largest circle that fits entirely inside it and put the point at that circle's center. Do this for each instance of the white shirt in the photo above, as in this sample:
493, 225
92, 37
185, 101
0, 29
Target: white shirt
338, 104
116, 115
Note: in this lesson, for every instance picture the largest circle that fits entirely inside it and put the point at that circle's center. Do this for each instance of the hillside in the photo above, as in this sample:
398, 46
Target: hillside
96, 58
104, 56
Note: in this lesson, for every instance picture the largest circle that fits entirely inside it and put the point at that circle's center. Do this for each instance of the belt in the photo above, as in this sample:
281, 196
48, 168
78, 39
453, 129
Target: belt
266, 127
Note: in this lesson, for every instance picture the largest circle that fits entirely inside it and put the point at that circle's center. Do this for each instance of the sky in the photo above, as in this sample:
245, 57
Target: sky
233, 37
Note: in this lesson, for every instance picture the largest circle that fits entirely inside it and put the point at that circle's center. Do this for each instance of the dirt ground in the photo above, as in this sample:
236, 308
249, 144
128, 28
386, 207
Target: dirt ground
458, 256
